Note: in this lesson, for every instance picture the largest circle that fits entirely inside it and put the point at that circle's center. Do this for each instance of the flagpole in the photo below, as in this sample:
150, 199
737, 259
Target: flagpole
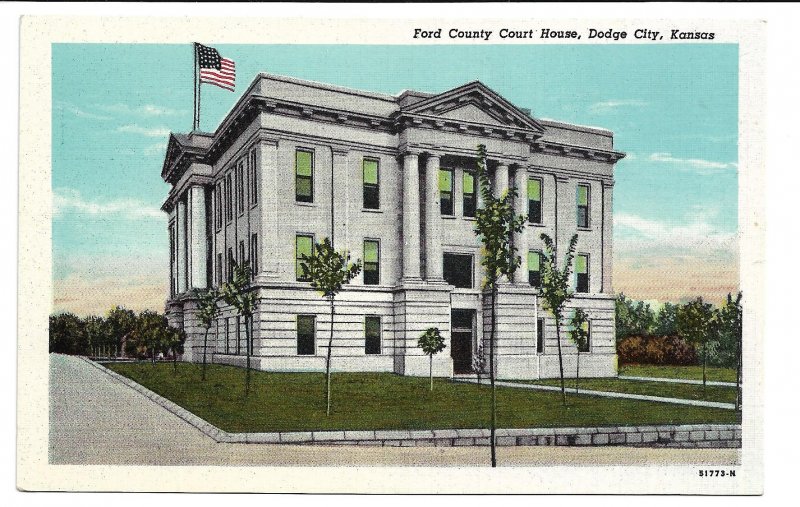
196, 120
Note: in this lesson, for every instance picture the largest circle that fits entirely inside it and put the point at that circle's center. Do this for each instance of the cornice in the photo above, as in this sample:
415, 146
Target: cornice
573, 151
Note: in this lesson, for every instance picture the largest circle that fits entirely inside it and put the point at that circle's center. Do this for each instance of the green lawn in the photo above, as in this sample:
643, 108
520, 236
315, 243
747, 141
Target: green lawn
296, 402
667, 390
682, 372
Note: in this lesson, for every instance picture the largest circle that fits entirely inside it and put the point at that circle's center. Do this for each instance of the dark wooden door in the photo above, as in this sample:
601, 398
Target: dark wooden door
461, 340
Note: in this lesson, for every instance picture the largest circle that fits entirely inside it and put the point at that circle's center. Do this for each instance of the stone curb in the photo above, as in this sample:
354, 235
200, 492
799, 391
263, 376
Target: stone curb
688, 435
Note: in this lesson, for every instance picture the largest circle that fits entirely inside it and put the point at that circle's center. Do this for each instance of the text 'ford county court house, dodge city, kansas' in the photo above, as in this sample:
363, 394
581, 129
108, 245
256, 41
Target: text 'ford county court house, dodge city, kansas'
392, 180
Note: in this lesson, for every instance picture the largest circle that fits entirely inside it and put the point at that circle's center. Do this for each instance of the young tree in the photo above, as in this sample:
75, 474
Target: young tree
579, 334
556, 291
95, 331
328, 271
479, 362
175, 338
495, 223
239, 294
66, 332
729, 320
694, 322
207, 313
431, 342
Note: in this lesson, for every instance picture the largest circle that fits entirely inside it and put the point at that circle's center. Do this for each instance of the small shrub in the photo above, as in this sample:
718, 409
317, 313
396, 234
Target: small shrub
661, 350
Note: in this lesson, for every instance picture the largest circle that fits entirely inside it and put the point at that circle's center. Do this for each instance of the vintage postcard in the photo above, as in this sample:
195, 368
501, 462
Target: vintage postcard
479, 255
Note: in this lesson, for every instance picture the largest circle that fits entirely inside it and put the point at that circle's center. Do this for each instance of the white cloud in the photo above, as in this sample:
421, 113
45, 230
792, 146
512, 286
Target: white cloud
695, 163
149, 132
72, 108
695, 238
145, 110
67, 200
607, 106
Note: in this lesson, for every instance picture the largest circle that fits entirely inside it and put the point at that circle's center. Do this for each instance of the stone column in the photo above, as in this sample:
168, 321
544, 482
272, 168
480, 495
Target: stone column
500, 186
520, 239
411, 216
180, 217
197, 276
500, 180
433, 221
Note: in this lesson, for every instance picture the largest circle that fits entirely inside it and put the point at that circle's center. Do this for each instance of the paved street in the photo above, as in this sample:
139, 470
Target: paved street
94, 419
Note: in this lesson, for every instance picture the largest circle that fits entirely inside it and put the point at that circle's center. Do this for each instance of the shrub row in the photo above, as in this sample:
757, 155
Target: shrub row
663, 350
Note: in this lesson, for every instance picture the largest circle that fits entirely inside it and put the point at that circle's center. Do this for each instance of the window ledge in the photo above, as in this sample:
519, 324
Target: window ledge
306, 204
585, 229
536, 224
448, 217
471, 219
371, 210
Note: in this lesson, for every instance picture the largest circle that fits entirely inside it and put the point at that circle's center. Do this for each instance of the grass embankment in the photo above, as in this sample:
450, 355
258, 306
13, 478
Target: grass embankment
679, 372
296, 402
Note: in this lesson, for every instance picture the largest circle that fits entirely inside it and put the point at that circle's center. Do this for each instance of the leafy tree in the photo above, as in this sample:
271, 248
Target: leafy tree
579, 334
431, 342
495, 223
95, 329
633, 318
207, 313
694, 323
556, 291
479, 362
239, 294
66, 333
151, 334
119, 322
666, 320
329, 271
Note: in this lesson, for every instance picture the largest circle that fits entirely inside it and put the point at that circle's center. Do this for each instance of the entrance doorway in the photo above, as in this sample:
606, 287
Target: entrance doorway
463, 324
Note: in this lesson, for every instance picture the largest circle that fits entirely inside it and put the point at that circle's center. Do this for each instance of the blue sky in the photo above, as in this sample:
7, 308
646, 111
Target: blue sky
673, 109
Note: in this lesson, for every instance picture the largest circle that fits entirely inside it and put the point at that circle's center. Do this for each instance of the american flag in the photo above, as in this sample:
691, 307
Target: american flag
215, 69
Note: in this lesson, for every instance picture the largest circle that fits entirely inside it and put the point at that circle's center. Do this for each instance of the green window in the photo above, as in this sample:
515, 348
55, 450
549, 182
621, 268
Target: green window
304, 245
583, 206
582, 273
372, 335
372, 194
535, 268
446, 191
371, 262
587, 344
539, 336
306, 325
470, 195
534, 201
304, 176
253, 179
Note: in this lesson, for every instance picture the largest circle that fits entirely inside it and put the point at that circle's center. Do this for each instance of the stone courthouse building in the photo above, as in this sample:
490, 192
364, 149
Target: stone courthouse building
391, 179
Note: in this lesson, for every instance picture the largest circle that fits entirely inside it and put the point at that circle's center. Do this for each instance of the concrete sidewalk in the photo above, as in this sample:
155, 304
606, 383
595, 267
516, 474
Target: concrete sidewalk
97, 420
609, 394
679, 381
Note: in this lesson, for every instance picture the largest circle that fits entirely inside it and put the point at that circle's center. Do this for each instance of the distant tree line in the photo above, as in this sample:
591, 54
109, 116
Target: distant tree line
681, 334
121, 333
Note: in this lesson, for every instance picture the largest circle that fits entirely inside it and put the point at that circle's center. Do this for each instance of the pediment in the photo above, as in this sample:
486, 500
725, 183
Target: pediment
475, 103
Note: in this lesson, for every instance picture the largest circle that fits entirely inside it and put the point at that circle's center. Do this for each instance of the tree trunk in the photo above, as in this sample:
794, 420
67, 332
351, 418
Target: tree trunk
430, 369
705, 354
328, 365
577, 370
560, 360
739, 373
205, 347
174, 361
491, 378
247, 345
